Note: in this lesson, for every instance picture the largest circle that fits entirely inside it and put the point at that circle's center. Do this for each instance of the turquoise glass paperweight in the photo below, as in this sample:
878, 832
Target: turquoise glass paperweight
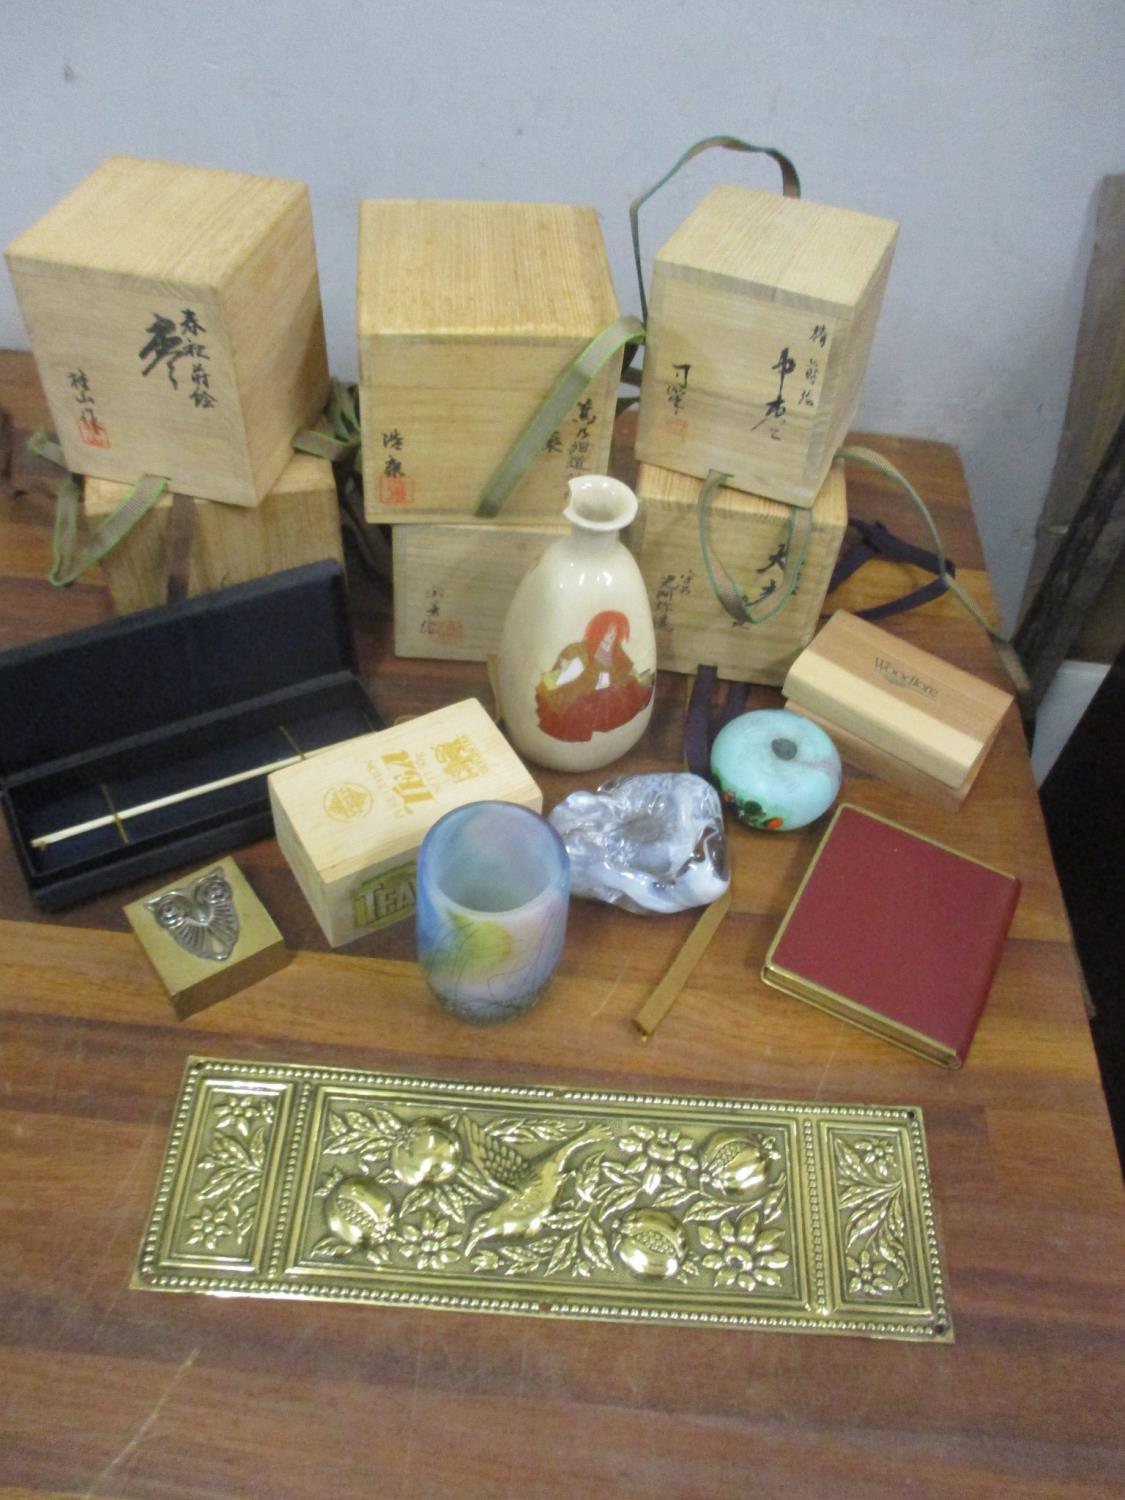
493, 889
775, 769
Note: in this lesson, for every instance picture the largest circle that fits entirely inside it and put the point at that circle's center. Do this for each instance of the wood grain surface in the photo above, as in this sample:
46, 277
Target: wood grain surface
109, 266
110, 1392
751, 290
298, 522
467, 312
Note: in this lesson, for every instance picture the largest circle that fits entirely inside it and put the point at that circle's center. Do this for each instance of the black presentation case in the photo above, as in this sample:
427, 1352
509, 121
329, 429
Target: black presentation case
131, 710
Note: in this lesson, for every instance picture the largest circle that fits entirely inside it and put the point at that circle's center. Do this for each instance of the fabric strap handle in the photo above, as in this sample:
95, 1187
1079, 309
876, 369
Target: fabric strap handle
564, 393
69, 560
1004, 648
730, 596
790, 187
704, 720
876, 461
877, 541
342, 413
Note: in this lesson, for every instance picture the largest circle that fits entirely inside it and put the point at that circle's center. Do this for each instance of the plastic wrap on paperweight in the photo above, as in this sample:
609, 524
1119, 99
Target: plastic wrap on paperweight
647, 843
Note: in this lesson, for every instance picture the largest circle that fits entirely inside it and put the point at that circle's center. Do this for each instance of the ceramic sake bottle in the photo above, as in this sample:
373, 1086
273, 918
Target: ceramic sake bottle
577, 665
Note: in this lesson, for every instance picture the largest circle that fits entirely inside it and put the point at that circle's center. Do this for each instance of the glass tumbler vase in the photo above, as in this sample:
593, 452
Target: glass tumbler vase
493, 888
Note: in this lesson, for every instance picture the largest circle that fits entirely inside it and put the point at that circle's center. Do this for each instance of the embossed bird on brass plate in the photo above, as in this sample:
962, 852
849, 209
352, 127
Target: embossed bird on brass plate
530, 1187
201, 919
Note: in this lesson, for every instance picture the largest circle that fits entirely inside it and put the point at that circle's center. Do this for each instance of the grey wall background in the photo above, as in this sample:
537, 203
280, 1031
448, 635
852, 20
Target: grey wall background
982, 127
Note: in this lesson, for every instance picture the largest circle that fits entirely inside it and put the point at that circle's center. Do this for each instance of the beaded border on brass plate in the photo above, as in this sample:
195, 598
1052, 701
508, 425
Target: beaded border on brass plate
290, 1181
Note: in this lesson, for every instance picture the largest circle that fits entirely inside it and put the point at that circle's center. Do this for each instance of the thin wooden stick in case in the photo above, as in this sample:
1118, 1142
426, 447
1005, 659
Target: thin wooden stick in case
61, 834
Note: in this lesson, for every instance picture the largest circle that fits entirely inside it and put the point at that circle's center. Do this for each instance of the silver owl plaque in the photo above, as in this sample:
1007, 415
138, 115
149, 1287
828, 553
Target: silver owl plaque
207, 935
201, 918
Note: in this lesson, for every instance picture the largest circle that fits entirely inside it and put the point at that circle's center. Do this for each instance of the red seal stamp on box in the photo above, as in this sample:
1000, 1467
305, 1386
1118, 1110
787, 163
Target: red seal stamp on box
396, 489
91, 431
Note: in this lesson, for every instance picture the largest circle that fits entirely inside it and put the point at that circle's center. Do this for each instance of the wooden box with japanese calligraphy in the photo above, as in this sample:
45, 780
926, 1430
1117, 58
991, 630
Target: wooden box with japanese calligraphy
467, 314
298, 522
757, 542
350, 821
761, 319
453, 584
174, 314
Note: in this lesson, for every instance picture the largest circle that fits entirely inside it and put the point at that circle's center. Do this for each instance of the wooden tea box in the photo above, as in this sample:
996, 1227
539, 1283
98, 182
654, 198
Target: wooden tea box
898, 701
761, 318
453, 585
298, 522
467, 314
174, 314
208, 936
750, 535
350, 820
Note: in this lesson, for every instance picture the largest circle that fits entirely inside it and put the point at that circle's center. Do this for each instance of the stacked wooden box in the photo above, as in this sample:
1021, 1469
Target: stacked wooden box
297, 522
761, 319
174, 314
753, 543
467, 313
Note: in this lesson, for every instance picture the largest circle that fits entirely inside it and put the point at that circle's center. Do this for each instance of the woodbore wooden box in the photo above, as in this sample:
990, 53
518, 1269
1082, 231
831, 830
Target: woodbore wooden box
174, 314
751, 536
350, 821
453, 585
895, 709
761, 318
467, 314
298, 522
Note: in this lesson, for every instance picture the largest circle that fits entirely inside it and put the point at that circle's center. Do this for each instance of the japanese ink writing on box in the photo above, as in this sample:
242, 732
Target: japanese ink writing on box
761, 319
467, 313
755, 542
174, 314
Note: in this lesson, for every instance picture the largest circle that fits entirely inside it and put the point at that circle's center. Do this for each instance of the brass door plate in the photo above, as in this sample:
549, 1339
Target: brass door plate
289, 1181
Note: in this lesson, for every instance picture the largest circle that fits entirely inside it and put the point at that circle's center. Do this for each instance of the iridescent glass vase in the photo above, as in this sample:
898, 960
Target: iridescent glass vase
492, 893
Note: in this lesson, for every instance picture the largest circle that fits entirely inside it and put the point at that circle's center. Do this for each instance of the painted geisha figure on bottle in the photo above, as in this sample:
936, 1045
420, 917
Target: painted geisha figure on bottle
577, 666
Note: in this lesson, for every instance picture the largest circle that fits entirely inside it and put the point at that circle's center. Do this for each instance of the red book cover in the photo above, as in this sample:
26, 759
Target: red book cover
896, 933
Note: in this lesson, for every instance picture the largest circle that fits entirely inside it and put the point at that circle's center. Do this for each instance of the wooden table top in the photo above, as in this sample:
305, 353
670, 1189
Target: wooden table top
108, 1391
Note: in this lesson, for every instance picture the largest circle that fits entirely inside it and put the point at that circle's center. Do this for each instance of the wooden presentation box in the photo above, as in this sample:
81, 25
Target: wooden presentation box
761, 319
453, 585
298, 522
350, 822
749, 535
174, 314
891, 704
208, 936
467, 314
160, 724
